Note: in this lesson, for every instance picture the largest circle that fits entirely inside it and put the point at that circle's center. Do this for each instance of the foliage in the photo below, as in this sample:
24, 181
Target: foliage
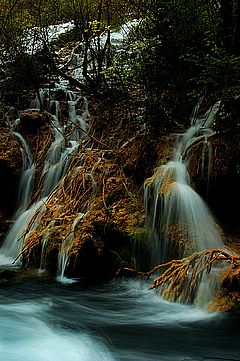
24, 63
178, 50
21, 20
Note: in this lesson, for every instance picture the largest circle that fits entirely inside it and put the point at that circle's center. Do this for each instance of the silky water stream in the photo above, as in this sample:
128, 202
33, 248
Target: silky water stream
122, 320
119, 321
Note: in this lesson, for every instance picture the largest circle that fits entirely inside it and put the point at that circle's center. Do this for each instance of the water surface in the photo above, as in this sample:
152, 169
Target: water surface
121, 320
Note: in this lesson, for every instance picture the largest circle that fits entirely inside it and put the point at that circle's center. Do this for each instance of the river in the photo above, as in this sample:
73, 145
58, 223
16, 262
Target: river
118, 321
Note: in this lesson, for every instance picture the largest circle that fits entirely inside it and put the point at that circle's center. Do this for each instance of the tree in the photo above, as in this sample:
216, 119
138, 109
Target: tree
229, 27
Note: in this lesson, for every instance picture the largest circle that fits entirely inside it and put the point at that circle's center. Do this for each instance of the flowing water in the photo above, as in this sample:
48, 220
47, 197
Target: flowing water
178, 219
26, 223
27, 176
66, 140
63, 255
120, 321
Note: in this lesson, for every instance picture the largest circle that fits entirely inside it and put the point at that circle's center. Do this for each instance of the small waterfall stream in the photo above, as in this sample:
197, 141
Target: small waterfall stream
27, 176
177, 217
63, 255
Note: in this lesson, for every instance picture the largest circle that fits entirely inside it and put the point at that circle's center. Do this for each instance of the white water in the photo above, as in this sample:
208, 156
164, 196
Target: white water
78, 120
35, 39
24, 225
178, 220
26, 336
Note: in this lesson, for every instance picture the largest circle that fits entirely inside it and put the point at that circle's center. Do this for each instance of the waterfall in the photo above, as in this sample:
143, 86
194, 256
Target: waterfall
53, 165
23, 216
78, 120
24, 225
178, 220
57, 160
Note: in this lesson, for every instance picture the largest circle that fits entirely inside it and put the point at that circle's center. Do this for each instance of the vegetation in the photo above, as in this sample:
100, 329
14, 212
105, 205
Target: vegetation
178, 51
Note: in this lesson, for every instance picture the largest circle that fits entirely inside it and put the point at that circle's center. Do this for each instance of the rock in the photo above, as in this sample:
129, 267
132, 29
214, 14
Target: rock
30, 122
10, 170
7, 274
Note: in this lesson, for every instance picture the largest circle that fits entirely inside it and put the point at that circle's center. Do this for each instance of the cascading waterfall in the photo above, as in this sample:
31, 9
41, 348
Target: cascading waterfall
57, 161
79, 120
58, 156
178, 220
53, 165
